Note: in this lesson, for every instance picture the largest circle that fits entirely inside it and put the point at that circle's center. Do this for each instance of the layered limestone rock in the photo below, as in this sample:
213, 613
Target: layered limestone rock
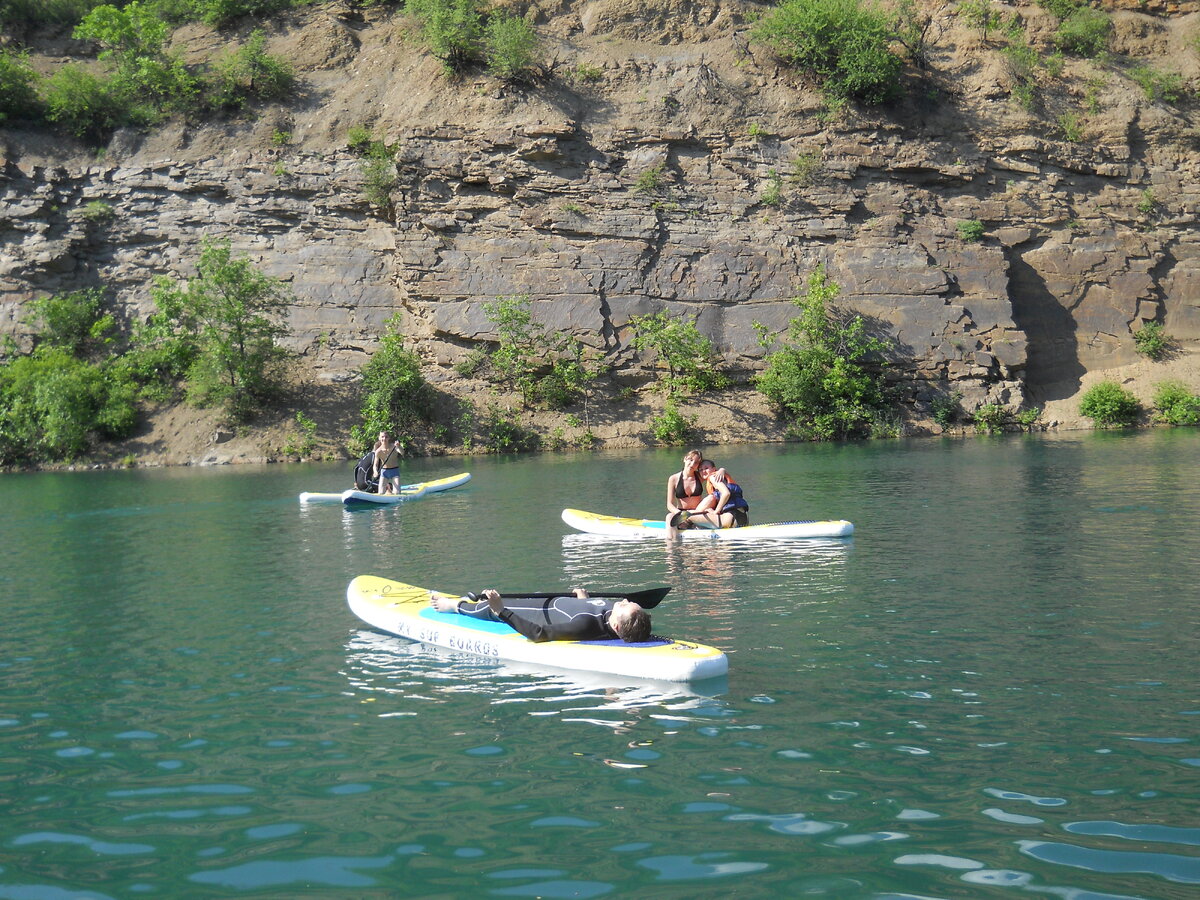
701, 179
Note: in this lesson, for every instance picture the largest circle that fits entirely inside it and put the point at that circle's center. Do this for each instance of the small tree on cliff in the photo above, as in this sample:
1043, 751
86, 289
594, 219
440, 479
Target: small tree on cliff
395, 393
692, 363
226, 323
550, 369
821, 380
692, 366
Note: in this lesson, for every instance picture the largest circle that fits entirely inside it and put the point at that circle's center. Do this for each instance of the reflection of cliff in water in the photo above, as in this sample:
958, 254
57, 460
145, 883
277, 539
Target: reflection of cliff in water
712, 581
402, 677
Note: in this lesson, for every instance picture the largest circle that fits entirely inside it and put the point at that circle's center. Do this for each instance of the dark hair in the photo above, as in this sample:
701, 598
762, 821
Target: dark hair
635, 627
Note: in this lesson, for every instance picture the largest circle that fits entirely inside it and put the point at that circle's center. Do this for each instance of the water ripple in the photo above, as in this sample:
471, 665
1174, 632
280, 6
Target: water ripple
1180, 869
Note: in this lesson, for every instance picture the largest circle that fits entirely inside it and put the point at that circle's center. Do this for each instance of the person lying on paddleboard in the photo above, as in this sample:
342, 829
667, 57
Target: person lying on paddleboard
578, 618
724, 507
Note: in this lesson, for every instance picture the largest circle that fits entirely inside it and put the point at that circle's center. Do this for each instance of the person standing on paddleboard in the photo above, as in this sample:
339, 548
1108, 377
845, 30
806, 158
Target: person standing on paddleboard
578, 618
387, 463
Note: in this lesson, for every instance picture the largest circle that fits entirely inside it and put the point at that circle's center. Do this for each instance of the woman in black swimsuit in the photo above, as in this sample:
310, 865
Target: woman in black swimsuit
685, 489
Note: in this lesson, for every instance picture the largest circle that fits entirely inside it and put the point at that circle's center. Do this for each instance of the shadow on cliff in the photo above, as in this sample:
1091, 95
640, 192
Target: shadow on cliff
1052, 370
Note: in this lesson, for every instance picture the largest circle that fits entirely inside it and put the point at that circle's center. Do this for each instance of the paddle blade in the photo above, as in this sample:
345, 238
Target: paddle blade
648, 598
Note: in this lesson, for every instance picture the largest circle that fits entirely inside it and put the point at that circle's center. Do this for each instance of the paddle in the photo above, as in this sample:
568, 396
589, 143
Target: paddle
647, 598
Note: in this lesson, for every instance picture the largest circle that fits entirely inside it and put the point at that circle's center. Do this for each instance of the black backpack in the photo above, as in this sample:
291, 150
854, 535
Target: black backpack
364, 480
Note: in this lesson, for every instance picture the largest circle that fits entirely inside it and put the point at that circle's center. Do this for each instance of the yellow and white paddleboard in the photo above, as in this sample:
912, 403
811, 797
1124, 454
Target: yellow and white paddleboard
404, 610
615, 526
407, 492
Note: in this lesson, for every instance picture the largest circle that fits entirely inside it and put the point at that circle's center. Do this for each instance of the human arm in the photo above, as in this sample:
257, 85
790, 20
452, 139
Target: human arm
671, 483
713, 499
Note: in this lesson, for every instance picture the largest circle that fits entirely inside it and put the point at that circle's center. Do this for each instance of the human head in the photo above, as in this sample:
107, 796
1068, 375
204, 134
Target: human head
630, 622
707, 467
385, 435
692, 458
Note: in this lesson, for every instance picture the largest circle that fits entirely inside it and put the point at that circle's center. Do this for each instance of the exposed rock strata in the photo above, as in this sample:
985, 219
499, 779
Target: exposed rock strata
648, 189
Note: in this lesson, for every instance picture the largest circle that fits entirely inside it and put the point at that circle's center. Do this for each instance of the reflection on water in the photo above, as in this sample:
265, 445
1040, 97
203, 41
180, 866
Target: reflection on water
383, 664
813, 565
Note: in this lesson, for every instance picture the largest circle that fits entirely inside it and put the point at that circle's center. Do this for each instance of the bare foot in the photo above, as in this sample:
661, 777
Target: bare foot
442, 603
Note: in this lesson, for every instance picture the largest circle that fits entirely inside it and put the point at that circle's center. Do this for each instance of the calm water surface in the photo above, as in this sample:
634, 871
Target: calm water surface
990, 691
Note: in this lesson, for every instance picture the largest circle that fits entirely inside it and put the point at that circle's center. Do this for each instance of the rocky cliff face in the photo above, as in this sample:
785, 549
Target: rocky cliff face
665, 162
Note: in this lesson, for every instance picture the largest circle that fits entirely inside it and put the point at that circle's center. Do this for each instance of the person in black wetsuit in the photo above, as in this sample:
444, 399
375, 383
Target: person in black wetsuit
578, 618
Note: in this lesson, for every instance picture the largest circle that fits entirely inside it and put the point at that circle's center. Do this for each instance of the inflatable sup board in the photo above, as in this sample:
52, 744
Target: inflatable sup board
404, 610
615, 526
407, 492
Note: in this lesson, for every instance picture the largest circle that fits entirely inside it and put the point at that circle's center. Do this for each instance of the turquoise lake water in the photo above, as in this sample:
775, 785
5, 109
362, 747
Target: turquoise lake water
989, 691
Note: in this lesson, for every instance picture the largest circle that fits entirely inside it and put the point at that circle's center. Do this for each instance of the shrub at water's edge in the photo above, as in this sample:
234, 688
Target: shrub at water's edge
1109, 405
215, 335
688, 363
232, 316
69, 393
395, 395
1175, 404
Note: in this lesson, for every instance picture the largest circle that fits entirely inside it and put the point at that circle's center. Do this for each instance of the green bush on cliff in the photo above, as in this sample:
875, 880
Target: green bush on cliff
460, 34
1061, 9
549, 368
1084, 32
87, 105
249, 73
74, 322
222, 12
1158, 84
396, 396
32, 13
969, 230
510, 47
824, 379
146, 83
844, 44
18, 96
1109, 405
453, 30
1152, 341
981, 15
133, 40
